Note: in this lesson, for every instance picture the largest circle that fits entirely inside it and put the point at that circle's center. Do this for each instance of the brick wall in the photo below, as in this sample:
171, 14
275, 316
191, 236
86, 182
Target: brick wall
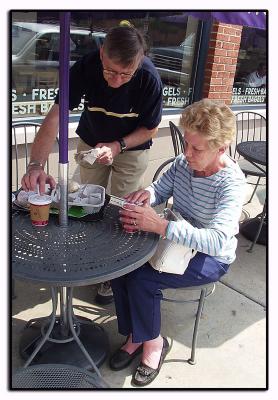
221, 61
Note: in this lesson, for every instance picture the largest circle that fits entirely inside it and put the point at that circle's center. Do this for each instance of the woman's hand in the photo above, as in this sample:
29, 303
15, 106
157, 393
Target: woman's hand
136, 218
139, 197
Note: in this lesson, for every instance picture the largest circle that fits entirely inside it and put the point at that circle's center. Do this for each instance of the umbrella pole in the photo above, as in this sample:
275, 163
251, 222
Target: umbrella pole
63, 185
64, 115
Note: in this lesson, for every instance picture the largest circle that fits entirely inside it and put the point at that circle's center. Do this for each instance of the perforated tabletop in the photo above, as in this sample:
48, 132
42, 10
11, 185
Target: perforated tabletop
83, 253
253, 151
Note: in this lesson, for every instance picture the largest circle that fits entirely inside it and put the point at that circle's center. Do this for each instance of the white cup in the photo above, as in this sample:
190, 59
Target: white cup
39, 209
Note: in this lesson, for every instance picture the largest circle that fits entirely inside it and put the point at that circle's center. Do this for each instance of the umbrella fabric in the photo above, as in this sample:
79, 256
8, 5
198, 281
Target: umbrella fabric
254, 19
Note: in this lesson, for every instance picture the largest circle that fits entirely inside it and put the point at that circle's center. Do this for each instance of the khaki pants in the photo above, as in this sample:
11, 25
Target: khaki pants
126, 171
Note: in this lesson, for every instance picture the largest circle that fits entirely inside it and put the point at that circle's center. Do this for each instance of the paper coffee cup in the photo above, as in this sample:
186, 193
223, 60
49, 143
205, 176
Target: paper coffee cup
39, 209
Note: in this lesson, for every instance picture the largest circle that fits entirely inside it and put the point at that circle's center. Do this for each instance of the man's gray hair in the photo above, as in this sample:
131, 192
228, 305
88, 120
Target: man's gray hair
124, 45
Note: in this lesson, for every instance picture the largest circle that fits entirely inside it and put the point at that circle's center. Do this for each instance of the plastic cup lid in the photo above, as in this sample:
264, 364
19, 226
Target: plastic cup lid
40, 199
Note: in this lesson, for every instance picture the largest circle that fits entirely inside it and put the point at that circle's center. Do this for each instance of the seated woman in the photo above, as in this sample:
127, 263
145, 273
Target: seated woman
208, 191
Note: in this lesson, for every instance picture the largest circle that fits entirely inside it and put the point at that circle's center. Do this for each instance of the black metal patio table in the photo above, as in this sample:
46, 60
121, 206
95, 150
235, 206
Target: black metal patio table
253, 151
254, 229
80, 254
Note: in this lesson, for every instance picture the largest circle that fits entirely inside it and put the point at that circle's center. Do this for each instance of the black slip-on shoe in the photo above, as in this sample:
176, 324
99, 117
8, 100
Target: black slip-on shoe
103, 300
104, 294
144, 374
121, 359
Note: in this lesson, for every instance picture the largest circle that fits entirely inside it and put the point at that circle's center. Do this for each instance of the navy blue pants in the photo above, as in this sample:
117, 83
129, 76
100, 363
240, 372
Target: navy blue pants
137, 295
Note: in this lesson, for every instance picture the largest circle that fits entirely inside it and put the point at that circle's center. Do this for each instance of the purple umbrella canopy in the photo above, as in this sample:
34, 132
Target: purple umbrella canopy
253, 19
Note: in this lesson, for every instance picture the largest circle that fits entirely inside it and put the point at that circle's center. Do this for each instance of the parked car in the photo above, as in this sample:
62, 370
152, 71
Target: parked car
174, 62
35, 53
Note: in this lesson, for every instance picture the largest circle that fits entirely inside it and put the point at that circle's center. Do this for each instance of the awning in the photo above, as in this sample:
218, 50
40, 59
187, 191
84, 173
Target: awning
253, 19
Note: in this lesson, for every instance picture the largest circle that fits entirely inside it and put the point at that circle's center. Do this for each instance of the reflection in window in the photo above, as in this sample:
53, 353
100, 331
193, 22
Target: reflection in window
172, 50
250, 79
171, 38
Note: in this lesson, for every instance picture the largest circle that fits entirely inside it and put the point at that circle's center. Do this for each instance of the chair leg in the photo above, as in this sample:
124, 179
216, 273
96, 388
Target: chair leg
258, 231
252, 195
196, 326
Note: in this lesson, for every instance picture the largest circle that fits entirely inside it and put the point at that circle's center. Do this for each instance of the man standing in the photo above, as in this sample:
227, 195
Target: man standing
123, 107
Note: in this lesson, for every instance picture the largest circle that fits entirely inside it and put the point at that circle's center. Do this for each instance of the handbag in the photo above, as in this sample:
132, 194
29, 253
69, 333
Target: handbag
171, 257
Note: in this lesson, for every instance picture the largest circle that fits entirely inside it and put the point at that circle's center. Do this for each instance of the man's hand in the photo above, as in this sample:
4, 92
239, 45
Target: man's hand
108, 152
34, 177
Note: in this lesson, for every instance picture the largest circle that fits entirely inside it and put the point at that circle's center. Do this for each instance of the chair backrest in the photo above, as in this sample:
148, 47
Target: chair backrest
162, 168
177, 139
23, 134
250, 126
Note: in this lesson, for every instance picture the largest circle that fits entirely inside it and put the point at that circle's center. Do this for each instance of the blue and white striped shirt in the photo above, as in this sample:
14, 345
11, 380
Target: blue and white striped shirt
211, 207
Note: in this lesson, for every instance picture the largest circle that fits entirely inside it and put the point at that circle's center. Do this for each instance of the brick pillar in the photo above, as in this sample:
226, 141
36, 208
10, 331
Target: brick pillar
221, 61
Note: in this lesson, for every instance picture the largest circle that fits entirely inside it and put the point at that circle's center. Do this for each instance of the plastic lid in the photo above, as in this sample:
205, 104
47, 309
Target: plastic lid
40, 200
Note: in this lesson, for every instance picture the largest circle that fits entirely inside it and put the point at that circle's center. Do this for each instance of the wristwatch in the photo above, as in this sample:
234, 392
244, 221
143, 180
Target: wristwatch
122, 144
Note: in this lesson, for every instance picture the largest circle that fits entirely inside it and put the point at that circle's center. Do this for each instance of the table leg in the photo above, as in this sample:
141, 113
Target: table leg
85, 345
262, 221
63, 311
70, 320
49, 330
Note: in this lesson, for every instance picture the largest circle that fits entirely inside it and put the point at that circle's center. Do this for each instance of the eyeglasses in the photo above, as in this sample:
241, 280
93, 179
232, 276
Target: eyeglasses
113, 74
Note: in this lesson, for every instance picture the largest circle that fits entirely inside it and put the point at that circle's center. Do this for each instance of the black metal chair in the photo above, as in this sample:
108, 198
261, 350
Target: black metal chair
177, 139
204, 290
21, 156
178, 145
56, 376
28, 130
249, 126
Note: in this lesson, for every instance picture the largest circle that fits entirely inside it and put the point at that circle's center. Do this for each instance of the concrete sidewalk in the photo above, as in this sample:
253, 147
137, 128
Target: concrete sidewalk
231, 349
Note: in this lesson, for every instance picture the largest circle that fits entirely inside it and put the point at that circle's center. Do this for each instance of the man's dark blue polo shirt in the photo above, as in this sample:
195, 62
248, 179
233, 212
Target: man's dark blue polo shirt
109, 113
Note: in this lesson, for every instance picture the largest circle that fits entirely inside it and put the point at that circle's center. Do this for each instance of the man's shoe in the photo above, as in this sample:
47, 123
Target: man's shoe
104, 294
121, 359
145, 374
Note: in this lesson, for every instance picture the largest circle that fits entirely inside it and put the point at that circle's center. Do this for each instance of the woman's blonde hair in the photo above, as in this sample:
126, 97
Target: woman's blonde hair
214, 121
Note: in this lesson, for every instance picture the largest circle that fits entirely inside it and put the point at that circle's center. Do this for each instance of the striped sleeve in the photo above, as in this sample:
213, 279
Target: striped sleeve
222, 226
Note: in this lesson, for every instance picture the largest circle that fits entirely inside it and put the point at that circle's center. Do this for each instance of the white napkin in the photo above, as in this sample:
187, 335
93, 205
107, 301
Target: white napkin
88, 156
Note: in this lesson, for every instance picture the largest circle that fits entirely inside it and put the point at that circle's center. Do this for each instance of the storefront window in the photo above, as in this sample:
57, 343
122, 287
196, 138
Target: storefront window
250, 79
35, 53
171, 50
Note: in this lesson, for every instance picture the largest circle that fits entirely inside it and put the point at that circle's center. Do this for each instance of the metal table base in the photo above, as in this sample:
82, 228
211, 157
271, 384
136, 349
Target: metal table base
79, 254
64, 339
